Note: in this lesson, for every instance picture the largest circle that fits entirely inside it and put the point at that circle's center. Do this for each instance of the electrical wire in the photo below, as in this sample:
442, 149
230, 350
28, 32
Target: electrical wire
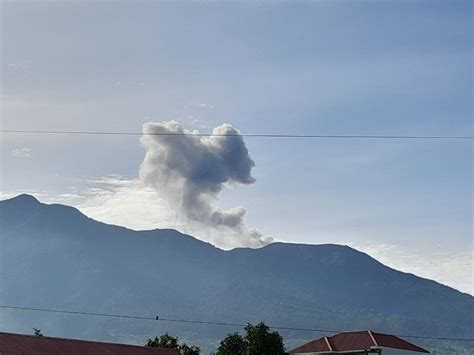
249, 135
227, 324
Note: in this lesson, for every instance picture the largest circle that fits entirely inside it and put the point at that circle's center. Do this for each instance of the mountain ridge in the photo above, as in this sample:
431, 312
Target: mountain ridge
108, 268
27, 198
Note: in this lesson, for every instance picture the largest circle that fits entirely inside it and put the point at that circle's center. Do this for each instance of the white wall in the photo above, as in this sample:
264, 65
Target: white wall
392, 351
385, 351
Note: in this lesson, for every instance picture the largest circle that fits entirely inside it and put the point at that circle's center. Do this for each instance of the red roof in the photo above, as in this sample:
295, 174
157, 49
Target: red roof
39, 345
356, 341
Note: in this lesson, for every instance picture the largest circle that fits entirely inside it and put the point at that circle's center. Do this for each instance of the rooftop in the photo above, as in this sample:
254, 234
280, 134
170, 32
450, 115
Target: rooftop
356, 341
31, 344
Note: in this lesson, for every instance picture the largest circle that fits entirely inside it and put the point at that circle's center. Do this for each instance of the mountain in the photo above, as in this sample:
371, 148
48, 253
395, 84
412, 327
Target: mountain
53, 256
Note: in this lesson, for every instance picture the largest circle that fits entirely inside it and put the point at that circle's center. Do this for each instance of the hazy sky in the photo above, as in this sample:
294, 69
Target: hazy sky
315, 67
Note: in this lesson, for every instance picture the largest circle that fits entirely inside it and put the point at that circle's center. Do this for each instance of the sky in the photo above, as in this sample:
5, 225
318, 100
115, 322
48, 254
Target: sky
304, 67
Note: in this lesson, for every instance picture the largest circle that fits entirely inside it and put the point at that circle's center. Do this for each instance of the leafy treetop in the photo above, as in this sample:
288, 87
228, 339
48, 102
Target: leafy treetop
258, 340
169, 342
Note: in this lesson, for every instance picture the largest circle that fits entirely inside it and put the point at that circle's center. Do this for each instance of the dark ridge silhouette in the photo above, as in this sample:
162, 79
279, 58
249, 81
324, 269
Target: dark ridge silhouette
53, 256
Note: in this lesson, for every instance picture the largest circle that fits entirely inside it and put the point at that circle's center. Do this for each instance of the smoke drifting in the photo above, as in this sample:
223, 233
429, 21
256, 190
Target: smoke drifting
191, 171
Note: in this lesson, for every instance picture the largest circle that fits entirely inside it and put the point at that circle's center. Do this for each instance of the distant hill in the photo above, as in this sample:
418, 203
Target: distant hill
53, 256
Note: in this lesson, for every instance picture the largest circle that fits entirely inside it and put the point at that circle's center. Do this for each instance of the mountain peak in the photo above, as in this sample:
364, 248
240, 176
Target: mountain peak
24, 198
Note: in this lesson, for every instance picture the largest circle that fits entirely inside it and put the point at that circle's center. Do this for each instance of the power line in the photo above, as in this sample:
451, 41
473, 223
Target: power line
249, 135
227, 324
76, 312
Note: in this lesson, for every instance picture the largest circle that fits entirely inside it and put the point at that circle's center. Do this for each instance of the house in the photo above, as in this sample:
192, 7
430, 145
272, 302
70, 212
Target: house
13, 344
361, 342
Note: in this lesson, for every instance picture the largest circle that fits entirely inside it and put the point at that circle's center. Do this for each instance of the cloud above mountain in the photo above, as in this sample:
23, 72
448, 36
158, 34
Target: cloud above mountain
178, 185
23, 152
190, 171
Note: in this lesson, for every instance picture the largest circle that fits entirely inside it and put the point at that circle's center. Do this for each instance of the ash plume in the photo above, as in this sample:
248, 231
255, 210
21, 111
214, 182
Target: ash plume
191, 171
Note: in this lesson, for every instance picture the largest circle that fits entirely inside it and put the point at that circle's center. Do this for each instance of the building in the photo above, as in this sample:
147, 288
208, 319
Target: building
362, 342
14, 344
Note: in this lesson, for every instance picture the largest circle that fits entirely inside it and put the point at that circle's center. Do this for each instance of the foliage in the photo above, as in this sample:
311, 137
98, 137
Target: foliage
167, 341
259, 340
38, 332
164, 341
233, 344
185, 349
263, 342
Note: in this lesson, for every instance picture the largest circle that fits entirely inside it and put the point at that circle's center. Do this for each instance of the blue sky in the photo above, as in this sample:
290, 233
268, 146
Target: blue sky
316, 67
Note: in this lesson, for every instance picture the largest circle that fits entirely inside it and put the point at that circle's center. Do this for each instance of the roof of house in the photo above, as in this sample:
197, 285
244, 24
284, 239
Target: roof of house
354, 341
39, 345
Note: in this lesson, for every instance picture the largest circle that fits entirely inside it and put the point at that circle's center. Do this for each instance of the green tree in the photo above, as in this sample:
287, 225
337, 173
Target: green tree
185, 349
258, 340
164, 341
233, 344
263, 342
167, 341
38, 332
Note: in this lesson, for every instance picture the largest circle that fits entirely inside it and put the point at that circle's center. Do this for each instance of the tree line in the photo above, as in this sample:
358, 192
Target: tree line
257, 340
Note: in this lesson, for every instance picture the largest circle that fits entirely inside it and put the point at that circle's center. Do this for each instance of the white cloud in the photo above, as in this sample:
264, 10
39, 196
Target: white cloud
23, 152
452, 269
206, 106
190, 172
